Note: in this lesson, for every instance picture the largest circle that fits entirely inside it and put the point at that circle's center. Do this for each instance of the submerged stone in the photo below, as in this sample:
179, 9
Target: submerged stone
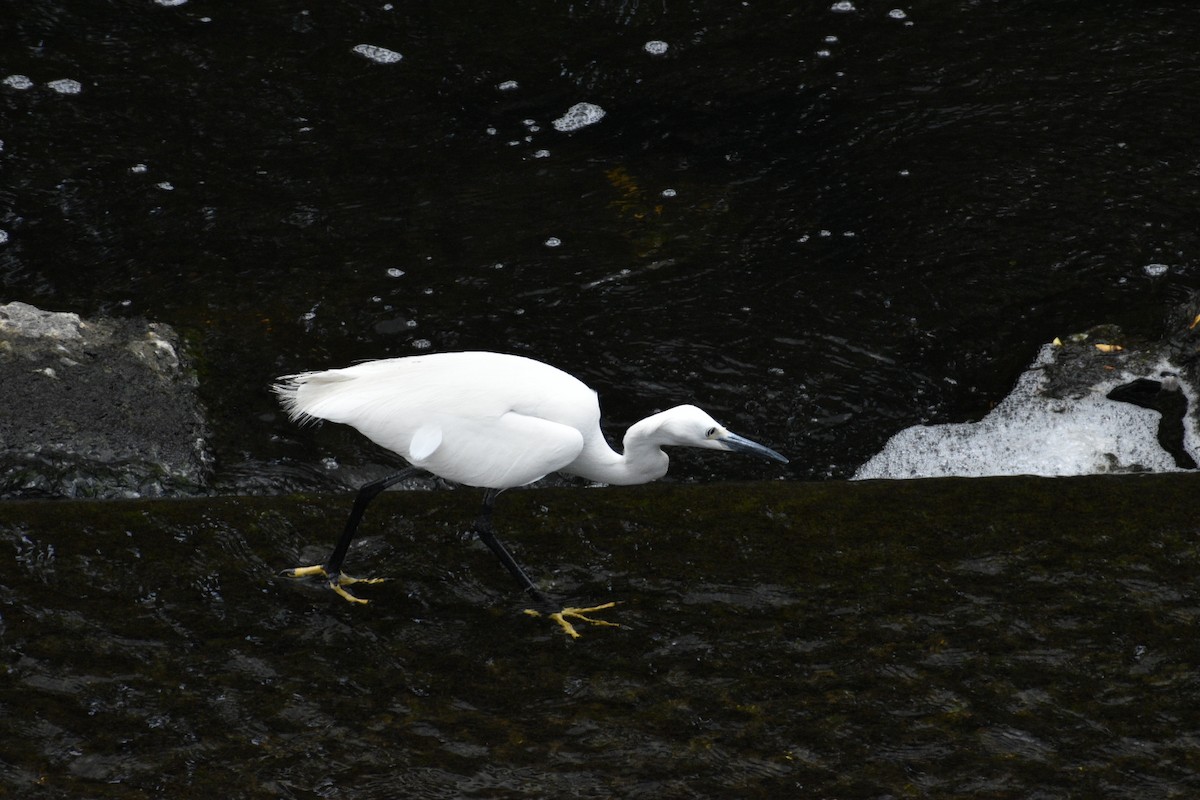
96, 408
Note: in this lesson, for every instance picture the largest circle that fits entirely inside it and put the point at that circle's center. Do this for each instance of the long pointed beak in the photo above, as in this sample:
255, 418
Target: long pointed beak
741, 444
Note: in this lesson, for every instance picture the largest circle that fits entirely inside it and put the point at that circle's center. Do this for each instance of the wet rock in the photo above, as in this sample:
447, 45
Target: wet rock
1094, 402
96, 408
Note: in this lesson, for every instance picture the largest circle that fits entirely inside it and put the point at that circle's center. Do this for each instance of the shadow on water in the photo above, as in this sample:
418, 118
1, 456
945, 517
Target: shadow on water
987, 638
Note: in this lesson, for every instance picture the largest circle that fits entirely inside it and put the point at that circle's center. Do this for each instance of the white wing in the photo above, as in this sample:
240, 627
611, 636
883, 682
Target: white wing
482, 419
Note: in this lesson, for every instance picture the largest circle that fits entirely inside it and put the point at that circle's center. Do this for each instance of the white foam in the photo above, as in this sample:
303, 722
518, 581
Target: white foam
656, 47
66, 86
579, 116
1029, 433
18, 82
380, 55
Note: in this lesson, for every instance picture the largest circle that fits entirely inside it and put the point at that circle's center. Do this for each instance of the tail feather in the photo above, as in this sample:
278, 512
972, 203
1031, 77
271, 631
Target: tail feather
301, 392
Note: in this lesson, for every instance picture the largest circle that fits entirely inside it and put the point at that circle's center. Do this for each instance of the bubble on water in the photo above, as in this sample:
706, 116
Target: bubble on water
842, 7
553, 241
138, 169
422, 344
1155, 270
329, 463
18, 82
655, 47
897, 13
66, 86
170, 3
380, 55
3, 236
668, 192
541, 154
166, 186
579, 116
507, 86
394, 272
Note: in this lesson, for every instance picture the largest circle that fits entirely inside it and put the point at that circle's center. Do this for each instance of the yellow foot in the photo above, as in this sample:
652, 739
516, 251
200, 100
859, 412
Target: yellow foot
337, 581
580, 614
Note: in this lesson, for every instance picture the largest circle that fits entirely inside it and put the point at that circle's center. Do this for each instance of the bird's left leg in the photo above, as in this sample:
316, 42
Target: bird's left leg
332, 568
486, 532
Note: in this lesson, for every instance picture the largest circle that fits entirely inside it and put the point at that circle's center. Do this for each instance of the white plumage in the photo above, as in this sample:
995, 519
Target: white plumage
489, 420
495, 420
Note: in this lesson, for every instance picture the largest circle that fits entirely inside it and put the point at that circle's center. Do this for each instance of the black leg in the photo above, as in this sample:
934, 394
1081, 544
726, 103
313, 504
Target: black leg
560, 616
487, 534
333, 566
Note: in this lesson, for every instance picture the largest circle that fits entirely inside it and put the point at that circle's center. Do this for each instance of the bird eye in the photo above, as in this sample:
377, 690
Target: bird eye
710, 433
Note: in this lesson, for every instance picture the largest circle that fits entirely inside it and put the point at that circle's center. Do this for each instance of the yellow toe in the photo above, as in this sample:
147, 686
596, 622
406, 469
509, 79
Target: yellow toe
304, 572
345, 595
337, 582
346, 580
581, 614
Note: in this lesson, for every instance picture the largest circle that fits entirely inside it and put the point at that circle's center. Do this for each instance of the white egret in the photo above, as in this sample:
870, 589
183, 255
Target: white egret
494, 421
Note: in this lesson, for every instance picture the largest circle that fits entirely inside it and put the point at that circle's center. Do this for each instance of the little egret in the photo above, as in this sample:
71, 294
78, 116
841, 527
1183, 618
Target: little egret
494, 421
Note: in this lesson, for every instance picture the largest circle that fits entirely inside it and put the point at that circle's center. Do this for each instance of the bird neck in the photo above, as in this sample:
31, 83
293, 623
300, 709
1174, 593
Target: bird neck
643, 460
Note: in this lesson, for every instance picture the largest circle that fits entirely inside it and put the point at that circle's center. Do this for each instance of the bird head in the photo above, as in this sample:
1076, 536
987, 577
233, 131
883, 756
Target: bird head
688, 426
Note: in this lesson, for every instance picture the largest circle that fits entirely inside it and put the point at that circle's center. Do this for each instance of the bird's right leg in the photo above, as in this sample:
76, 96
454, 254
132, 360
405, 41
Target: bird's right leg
332, 568
487, 534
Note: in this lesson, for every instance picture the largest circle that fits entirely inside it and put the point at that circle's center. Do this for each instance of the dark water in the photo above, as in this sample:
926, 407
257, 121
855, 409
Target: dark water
990, 638
876, 217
